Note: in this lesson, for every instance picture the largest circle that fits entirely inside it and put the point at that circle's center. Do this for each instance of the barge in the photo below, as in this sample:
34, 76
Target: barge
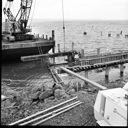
17, 39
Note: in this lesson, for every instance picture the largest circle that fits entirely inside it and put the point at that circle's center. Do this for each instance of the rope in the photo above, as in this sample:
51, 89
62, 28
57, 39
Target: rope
63, 24
33, 13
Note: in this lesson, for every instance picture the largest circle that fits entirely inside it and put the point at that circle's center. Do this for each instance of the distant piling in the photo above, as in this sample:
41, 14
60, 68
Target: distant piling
58, 47
72, 46
121, 70
98, 51
82, 53
109, 34
107, 75
53, 35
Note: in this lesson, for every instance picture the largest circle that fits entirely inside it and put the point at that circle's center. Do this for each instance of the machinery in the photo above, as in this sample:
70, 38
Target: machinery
111, 107
15, 27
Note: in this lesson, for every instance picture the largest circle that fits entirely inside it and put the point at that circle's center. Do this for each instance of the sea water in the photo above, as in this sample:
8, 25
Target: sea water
96, 37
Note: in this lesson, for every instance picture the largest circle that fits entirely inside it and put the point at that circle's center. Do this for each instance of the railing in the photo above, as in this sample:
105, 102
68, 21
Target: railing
103, 59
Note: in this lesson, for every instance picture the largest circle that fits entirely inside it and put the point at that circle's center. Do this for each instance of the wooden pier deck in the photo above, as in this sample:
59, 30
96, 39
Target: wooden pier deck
52, 55
95, 66
91, 60
84, 64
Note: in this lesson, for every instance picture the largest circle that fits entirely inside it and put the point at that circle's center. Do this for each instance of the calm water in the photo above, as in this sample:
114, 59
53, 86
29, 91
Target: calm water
97, 36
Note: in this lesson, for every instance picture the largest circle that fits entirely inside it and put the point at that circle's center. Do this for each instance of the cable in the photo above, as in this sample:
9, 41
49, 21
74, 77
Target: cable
63, 24
33, 13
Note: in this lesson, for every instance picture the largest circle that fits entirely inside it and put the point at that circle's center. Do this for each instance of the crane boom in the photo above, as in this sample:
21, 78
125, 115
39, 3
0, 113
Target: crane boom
23, 13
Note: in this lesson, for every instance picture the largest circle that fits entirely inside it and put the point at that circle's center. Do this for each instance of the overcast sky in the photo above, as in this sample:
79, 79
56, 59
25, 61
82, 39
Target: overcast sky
78, 9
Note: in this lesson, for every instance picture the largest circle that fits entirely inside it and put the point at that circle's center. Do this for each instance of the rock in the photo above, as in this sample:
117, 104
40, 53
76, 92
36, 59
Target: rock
58, 86
35, 96
59, 93
46, 94
71, 91
36, 89
65, 96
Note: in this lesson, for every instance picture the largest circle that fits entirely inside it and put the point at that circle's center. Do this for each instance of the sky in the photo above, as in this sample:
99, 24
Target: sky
76, 9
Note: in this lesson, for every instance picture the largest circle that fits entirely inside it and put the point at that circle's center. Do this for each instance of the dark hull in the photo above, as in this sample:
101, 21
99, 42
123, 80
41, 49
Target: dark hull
15, 54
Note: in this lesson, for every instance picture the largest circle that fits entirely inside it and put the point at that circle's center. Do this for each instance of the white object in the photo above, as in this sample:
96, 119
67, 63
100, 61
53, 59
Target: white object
110, 108
3, 97
126, 86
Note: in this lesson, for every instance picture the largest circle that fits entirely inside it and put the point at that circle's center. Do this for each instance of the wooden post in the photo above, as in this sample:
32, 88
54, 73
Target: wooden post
58, 47
53, 35
86, 76
98, 51
107, 75
82, 53
83, 78
43, 36
53, 51
72, 46
46, 37
121, 70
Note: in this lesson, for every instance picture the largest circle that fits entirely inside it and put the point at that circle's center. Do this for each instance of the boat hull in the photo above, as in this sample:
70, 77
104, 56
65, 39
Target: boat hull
11, 52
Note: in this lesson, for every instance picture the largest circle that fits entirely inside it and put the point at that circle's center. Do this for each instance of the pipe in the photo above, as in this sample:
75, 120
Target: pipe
83, 78
20, 121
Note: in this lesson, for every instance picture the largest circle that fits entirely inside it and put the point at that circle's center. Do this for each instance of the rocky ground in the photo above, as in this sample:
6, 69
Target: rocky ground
29, 99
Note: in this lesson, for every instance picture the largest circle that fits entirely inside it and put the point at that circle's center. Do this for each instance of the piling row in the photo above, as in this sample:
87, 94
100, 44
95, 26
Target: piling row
102, 59
95, 66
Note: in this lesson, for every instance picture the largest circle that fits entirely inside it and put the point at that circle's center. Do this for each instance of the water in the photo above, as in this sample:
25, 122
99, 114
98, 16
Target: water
97, 37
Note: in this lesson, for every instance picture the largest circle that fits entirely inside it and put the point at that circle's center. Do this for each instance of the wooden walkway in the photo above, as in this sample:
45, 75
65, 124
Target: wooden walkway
52, 55
95, 66
102, 59
84, 64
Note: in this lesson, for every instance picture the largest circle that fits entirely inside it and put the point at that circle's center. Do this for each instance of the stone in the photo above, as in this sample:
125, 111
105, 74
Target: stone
46, 94
35, 96
71, 91
59, 93
36, 89
58, 86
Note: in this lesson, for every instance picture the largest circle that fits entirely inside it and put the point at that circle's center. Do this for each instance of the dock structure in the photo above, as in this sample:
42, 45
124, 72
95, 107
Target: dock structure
90, 60
80, 68
52, 55
100, 62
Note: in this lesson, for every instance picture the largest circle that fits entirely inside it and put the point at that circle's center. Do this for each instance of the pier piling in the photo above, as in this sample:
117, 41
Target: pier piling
72, 46
98, 51
82, 53
121, 70
53, 35
107, 74
58, 47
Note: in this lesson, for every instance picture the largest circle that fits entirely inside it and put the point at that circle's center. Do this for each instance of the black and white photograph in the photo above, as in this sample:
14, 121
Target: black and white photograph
64, 63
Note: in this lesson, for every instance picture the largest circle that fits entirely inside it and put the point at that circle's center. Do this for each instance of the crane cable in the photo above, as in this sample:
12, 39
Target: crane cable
32, 13
63, 24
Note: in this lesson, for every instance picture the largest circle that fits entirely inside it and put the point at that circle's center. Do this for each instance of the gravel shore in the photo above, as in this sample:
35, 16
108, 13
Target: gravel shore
78, 116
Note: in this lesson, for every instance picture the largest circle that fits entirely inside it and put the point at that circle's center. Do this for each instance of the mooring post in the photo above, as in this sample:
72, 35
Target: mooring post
58, 47
121, 70
82, 53
72, 46
109, 34
86, 76
98, 51
53, 49
53, 35
107, 75
43, 36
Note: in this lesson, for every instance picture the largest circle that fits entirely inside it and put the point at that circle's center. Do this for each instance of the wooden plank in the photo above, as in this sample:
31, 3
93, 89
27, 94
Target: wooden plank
35, 57
83, 78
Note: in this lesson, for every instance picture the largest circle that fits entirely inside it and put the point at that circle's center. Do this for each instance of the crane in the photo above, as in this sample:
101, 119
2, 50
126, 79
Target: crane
19, 22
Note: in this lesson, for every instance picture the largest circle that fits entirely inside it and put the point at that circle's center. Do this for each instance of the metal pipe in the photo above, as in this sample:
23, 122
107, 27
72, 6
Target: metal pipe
43, 116
58, 113
83, 78
20, 121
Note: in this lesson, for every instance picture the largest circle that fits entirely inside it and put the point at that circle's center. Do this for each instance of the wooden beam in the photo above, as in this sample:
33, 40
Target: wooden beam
35, 57
83, 78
